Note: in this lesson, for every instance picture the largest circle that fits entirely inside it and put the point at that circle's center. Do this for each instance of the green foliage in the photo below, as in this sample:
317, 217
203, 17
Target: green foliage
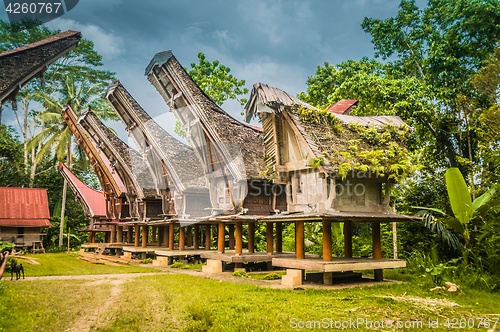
178, 129
242, 274
179, 265
147, 261
317, 162
272, 276
6, 245
214, 79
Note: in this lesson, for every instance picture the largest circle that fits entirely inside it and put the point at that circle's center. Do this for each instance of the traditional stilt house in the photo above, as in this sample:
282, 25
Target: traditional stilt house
93, 203
338, 168
230, 153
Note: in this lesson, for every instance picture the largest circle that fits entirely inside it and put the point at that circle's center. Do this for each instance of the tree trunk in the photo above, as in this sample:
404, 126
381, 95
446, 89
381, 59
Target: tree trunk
65, 187
1, 109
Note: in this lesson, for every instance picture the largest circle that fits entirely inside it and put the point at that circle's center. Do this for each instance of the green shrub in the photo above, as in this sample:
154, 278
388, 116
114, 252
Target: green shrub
179, 265
240, 274
147, 261
272, 276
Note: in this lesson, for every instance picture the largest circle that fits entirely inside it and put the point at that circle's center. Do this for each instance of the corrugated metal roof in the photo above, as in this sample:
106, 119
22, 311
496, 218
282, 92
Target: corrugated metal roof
92, 198
24, 207
342, 106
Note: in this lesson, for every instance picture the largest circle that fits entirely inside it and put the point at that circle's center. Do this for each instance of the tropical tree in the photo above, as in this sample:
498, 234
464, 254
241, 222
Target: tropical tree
57, 136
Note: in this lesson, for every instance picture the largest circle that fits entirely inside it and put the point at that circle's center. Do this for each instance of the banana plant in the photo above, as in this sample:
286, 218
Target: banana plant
464, 209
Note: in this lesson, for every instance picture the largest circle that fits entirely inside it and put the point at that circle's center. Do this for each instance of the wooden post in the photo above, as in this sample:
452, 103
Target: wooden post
269, 237
347, 238
130, 234
208, 236
166, 234
145, 231
182, 236
189, 236
279, 237
136, 236
395, 239
221, 238
251, 237
171, 236
327, 240
299, 240
196, 237
231, 236
239, 238
153, 234
377, 249
113, 233
120, 234
106, 237
92, 237
160, 236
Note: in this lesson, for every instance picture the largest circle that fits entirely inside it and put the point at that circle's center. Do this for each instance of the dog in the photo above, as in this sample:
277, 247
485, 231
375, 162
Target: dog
16, 269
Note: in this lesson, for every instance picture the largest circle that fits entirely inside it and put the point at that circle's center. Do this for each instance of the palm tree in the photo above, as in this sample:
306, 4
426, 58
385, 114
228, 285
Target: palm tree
57, 136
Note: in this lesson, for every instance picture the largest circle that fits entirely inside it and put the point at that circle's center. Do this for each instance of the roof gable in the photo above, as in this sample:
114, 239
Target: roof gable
24, 207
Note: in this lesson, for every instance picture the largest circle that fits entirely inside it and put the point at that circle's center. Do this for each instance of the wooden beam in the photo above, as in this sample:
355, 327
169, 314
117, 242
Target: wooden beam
299, 240
251, 237
113, 233
171, 236
239, 238
160, 236
182, 237
269, 238
130, 233
279, 237
348, 238
327, 240
231, 236
377, 249
166, 234
136, 234
145, 231
189, 235
196, 237
120, 234
221, 238
208, 237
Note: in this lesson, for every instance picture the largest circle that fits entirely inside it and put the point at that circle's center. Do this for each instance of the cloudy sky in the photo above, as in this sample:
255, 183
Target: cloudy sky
275, 42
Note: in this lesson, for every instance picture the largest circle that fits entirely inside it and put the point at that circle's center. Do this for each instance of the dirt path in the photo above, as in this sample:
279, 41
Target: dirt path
90, 276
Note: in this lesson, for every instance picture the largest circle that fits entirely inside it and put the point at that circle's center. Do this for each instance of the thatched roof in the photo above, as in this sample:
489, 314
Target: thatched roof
180, 160
20, 65
336, 139
132, 168
167, 75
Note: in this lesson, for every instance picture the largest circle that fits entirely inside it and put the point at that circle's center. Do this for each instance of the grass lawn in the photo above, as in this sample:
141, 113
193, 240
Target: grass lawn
175, 302
66, 264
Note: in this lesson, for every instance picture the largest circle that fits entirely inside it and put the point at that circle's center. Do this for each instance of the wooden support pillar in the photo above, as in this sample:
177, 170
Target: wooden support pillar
182, 236
377, 249
166, 234
269, 238
279, 237
160, 236
239, 238
153, 234
130, 234
136, 236
196, 237
171, 236
327, 240
348, 238
106, 237
189, 235
145, 231
92, 237
251, 237
113, 233
231, 236
120, 234
208, 236
221, 238
299, 240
